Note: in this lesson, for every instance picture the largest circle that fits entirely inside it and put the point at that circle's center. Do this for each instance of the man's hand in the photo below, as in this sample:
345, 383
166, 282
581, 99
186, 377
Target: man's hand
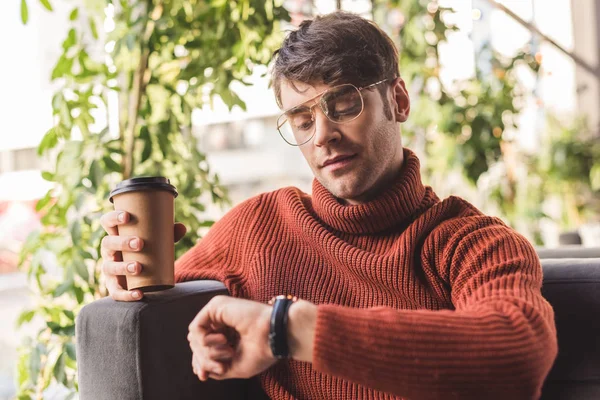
113, 266
229, 338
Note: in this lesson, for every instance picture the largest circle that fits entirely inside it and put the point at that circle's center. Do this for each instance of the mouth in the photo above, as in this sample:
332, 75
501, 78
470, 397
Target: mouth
338, 162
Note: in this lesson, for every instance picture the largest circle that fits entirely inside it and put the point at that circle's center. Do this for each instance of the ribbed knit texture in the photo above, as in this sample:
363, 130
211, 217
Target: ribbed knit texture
418, 298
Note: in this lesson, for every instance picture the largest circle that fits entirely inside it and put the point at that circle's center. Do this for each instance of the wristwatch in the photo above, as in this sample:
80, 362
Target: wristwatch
278, 328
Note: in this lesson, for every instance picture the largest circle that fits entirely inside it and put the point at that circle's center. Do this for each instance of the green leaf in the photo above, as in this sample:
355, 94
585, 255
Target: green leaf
82, 270
69, 314
24, 12
23, 368
95, 175
63, 288
48, 176
62, 67
57, 329
59, 368
163, 143
86, 255
46, 4
130, 41
78, 294
43, 202
35, 363
26, 316
71, 351
70, 40
74, 14
115, 146
595, 177
93, 28
145, 137
111, 164
76, 232
49, 141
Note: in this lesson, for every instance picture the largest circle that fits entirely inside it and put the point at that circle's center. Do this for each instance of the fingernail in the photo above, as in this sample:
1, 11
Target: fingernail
134, 243
121, 217
131, 268
135, 295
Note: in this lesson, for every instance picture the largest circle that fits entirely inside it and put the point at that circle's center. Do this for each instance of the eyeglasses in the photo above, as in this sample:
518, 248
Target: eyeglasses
340, 104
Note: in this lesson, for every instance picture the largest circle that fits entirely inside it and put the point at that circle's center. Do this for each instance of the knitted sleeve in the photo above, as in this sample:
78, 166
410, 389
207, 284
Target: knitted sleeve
498, 342
221, 255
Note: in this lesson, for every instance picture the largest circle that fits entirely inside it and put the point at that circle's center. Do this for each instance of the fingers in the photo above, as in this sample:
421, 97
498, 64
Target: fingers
214, 339
210, 359
112, 219
118, 293
205, 369
121, 268
122, 243
113, 267
113, 245
179, 231
221, 352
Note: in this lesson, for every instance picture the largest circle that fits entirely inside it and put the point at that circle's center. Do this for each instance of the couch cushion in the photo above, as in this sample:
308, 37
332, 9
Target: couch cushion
572, 286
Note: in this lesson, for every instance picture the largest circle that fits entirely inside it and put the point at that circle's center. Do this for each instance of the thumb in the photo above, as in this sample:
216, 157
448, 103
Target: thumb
210, 316
179, 231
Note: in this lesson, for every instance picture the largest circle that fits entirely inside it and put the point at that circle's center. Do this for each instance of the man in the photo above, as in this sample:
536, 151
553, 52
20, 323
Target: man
401, 295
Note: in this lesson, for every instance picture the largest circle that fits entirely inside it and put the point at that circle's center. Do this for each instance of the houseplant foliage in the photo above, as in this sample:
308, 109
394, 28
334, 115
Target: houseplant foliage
468, 117
471, 125
570, 161
123, 108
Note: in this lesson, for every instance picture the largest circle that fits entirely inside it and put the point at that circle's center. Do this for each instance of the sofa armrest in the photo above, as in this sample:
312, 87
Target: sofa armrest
568, 252
139, 350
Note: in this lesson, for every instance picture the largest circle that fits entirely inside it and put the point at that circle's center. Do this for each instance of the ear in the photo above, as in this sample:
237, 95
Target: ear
401, 101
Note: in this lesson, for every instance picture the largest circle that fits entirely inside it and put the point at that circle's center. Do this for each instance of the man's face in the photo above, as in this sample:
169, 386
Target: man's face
371, 144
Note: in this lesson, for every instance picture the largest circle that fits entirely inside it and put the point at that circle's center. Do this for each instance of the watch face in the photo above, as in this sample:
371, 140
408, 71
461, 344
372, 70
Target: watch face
283, 297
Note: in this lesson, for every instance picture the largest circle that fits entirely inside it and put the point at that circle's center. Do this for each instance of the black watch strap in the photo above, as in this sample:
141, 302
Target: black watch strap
278, 328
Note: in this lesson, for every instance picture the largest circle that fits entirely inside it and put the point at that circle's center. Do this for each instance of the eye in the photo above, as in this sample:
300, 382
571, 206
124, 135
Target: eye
301, 122
343, 102
345, 106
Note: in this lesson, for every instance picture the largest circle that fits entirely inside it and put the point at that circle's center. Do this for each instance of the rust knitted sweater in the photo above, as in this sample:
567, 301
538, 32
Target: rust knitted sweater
418, 298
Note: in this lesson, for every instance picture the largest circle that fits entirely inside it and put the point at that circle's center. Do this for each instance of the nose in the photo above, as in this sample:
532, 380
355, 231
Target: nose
325, 131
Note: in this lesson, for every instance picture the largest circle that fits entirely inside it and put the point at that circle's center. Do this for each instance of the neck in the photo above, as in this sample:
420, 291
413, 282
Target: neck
395, 204
385, 181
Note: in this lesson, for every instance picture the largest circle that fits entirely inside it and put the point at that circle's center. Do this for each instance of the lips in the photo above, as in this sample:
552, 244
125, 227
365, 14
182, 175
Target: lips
336, 159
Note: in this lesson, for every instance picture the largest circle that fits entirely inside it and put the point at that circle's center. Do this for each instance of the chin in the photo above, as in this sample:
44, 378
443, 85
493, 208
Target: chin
342, 189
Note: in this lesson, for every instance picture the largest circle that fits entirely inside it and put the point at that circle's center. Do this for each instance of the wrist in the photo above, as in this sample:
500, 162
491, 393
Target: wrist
278, 326
302, 321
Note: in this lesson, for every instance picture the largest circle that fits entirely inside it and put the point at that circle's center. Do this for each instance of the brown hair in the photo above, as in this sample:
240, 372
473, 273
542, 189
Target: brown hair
337, 48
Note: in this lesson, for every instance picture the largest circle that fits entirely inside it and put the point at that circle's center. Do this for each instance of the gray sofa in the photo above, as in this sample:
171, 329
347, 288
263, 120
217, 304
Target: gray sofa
139, 350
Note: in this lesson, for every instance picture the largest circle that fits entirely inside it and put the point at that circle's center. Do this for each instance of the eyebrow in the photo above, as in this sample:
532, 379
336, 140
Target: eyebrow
291, 109
297, 110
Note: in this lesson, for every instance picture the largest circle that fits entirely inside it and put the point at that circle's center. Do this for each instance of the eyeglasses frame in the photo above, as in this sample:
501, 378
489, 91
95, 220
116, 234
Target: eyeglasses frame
311, 108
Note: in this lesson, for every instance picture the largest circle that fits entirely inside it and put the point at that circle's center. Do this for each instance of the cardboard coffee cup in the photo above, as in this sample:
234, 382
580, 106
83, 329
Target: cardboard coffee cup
150, 202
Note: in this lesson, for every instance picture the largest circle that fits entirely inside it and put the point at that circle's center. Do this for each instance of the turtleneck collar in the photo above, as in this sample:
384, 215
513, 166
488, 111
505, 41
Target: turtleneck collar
391, 207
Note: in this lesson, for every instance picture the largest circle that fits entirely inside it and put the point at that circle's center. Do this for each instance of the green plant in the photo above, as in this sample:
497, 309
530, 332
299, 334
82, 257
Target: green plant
163, 59
473, 113
570, 164
470, 127
464, 126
